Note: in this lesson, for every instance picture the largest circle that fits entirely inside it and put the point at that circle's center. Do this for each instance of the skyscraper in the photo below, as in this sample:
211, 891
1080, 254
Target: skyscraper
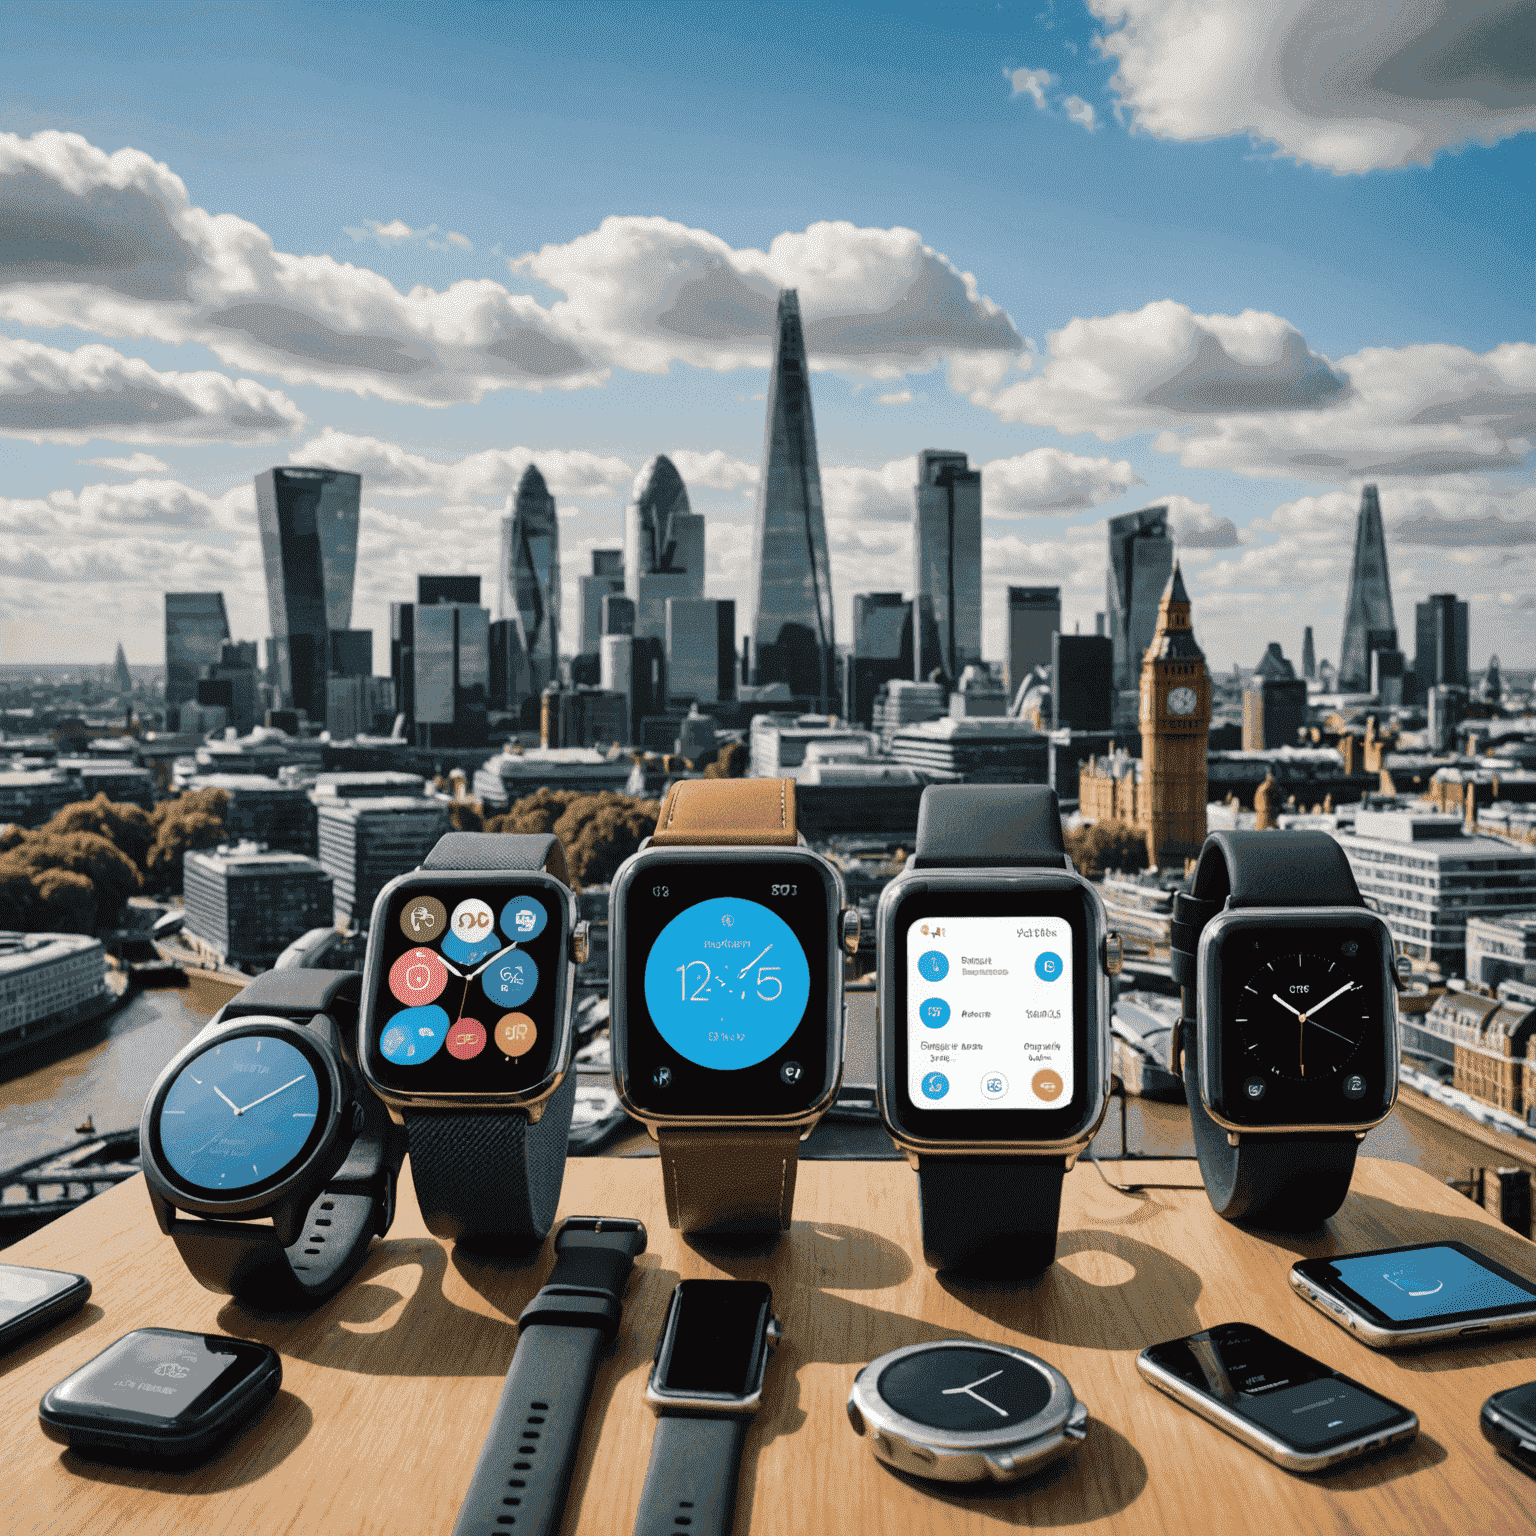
196, 627
882, 650
1440, 641
1308, 656
120, 673
1368, 622
663, 545
946, 564
1140, 562
791, 599
308, 520
606, 580
1034, 615
530, 575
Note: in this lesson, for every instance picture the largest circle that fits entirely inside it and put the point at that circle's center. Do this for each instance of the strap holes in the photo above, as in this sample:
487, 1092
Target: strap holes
522, 1466
513, 1502
322, 1221
532, 1420
327, 1205
530, 1434
684, 1504
516, 1482
311, 1250
539, 1407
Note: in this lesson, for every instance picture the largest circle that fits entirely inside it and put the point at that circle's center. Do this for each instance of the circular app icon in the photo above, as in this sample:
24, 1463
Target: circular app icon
935, 1085
934, 1012
523, 918
418, 976
511, 979
424, 919
414, 1035
472, 921
1047, 1085
1048, 966
1354, 1086
933, 966
466, 1038
515, 1033
993, 1085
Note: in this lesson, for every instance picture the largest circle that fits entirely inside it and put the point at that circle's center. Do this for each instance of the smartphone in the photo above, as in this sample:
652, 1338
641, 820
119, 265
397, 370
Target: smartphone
1396, 1298
34, 1299
1509, 1424
1301, 1414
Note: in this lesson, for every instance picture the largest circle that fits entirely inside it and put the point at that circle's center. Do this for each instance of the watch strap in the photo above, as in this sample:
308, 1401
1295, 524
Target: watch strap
987, 826
734, 1180
727, 813
990, 1217
499, 851
296, 993
690, 1483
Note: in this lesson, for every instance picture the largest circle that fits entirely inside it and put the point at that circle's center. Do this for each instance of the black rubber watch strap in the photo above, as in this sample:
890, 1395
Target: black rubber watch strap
499, 851
297, 993
690, 1483
988, 826
491, 1179
990, 1216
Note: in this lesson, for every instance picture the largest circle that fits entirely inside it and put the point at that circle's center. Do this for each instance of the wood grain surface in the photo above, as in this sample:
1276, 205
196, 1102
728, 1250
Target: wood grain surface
389, 1388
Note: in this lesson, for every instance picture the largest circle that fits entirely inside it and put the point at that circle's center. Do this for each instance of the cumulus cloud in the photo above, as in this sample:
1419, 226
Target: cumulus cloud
1050, 481
48, 395
133, 464
1032, 83
1081, 112
896, 397
397, 232
102, 512
715, 470
1347, 85
1196, 526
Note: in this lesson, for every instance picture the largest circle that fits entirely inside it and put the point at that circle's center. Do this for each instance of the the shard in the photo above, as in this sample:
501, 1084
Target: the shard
791, 597
663, 545
1368, 622
529, 576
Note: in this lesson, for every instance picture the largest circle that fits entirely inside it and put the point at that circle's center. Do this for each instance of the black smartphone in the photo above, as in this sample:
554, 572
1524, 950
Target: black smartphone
1508, 1423
1301, 1414
34, 1299
1425, 1293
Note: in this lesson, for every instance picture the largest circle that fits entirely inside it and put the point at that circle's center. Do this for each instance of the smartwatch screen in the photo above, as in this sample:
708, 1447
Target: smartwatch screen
1304, 1029
716, 1340
991, 1016
465, 985
726, 980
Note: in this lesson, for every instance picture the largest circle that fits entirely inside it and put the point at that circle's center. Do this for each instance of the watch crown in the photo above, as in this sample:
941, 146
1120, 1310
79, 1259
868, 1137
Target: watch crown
1114, 954
581, 942
850, 933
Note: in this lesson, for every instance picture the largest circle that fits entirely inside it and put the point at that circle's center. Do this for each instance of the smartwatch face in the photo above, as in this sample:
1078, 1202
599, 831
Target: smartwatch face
726, 987
715, 1338
243, 1114
466, 987
965, 1391
1304, 1026
990, 1023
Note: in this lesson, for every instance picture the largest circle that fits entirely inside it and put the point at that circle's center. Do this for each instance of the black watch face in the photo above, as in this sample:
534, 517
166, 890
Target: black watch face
991, 1013
726, 987
964, 1391
1304, 1026
714, 1338
467, 984
244, 1113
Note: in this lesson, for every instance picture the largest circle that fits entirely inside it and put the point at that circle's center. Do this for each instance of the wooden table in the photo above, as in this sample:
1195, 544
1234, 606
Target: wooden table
388, 1389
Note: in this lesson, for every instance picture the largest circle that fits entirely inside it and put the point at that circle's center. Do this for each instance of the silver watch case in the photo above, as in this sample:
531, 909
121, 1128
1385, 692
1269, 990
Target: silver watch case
1208, 1004
1099, 1049
956, 1456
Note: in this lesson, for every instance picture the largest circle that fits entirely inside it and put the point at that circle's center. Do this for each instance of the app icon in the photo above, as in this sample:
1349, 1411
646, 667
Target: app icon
1354, 1086
933, 966
515, 1033
466, 1038
1047, 1085
472, 920
511, 979
418, 976
1048, 966
791, 1072
414, 1035
1415, 1281
935, 1085
523, 918
1254, 1089
934, 1012
172, 1369
424, 919
995, 1086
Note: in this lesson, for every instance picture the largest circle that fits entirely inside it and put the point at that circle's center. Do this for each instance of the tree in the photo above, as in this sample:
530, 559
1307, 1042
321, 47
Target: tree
597, 830
127, 826
193, 820
1106, 845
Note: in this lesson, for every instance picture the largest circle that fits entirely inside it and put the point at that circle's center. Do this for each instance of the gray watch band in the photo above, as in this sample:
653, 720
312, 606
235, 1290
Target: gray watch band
690, 1481
987, 826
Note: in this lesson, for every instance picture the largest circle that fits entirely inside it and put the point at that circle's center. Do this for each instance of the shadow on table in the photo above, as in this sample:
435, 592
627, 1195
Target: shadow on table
1373, 1471
843, 1258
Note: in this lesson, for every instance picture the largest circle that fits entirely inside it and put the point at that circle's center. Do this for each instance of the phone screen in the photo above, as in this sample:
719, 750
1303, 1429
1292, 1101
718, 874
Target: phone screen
1430, 1282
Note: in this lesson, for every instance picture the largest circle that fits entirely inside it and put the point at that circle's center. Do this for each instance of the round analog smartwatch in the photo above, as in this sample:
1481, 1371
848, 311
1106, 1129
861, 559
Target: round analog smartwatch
994, 958
726, 937
465, 1031
263, 1115
1289, 1041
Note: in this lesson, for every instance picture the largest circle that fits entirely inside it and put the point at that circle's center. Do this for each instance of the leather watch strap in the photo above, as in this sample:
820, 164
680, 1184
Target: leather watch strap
729, 1181
690, 1483
728, 813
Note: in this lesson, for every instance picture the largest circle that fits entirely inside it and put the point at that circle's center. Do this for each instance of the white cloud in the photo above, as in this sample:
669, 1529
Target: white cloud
48, 395
1348, 85
715, 470
1031, 83
1196, 526
1047, 481
134, 464
896, 397
397, 232
1081, 112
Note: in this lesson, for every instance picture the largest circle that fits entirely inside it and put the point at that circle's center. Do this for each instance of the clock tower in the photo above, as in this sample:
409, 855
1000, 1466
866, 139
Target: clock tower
1175, 724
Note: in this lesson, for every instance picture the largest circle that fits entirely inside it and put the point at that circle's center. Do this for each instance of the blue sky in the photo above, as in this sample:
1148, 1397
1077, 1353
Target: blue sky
1208, 262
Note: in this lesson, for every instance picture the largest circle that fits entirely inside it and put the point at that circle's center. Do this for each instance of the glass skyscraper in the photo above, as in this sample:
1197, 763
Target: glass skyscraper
529, 575
1369, 624
1034, 616
791, 595
196, 627
946, 564
663, 545
1140, 563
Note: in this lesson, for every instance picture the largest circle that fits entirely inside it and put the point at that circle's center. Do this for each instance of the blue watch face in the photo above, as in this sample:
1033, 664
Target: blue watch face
242, 1114
726, 983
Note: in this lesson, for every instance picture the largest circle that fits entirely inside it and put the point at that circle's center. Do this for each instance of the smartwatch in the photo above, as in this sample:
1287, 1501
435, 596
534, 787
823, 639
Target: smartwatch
1289, 1041
726, 941
465, 1031
705, 1385
261, 1116
994, 1040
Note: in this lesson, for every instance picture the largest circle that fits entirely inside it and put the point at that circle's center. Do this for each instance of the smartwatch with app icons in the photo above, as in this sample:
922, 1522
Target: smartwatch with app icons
1288, 1045
726, 937
994, 965
465, 1031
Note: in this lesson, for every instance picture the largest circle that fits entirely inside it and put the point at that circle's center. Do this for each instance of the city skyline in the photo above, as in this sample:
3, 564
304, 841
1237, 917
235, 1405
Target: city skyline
1108, 291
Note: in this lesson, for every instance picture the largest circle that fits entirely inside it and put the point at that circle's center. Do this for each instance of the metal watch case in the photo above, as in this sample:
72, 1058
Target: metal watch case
1100, 956
959, 1456
715, 1403
531, 1099
1208, 1004
838, 937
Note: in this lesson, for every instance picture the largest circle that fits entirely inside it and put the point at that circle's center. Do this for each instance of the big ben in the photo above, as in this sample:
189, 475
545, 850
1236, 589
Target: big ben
1175, 724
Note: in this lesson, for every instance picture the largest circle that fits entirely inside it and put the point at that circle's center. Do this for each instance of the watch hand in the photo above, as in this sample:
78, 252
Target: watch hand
263, 1099
1336, 1035
494, 958
227, 1099
452, 969
1285, 1004
970, 1391
1348, 986
750, 963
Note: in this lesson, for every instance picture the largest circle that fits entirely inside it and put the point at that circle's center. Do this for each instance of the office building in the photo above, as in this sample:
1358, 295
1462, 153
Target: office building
1440, 641
618, 615
973, 749
1082, 682
196, 627
365, 843
31, 796
309, 521
1274, 712
260, 810
530, 575
946, 565
663, 546
431, 590
512, 776
351, 653
1368, 621
701, 650
248, 905
1034, 617
1140, 562
1388, 674
359, 706
452, 675
778, 743
1308, 655
402, 663
606, 580
790, 619
1447, 708
511, 676
882, 651
903, 702
233, 685
582, 717
616, 672
1501, 949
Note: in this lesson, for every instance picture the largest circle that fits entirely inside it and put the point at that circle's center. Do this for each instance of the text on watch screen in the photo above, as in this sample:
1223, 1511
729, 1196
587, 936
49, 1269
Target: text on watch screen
989, 1012
466, 997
